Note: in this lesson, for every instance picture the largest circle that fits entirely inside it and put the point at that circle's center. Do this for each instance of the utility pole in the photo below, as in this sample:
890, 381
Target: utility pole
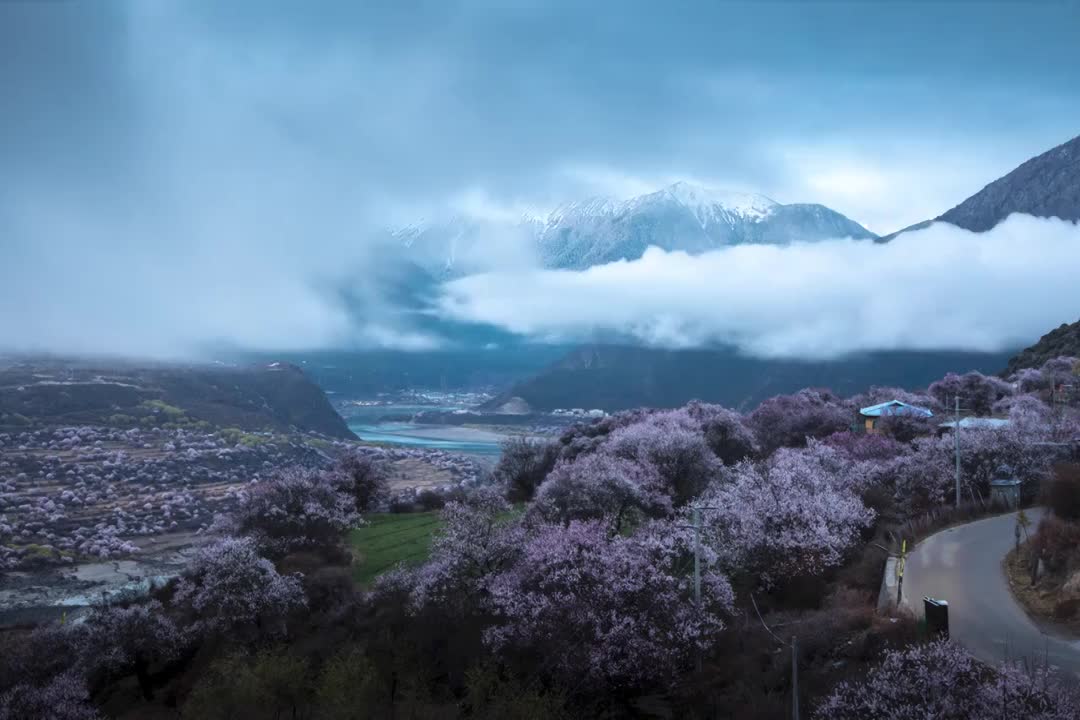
794, 678
696, 525
697, 557
956, 441
900, 574
696, 520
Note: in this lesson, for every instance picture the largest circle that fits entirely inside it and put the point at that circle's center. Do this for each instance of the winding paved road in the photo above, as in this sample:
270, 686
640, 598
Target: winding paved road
963, 566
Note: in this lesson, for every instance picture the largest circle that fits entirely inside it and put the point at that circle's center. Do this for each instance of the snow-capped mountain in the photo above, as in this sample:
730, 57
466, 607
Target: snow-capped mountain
598, 230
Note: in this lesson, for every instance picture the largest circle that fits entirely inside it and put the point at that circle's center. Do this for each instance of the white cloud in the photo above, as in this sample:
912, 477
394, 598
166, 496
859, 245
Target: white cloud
939, 288
164, 284
885, 181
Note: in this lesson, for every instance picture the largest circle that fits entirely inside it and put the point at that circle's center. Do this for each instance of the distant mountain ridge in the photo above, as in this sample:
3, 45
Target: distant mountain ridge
1047, 185
615, 377
576, 235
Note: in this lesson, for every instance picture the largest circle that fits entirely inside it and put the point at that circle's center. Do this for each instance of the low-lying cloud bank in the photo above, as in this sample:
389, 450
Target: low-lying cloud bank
170, 284
934, 289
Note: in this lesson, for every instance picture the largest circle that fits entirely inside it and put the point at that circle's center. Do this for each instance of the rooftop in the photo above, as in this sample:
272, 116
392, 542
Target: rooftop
894, 407
977, 422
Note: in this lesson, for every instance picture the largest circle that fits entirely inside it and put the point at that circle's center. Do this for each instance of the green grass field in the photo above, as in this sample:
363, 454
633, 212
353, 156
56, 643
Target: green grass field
388, 539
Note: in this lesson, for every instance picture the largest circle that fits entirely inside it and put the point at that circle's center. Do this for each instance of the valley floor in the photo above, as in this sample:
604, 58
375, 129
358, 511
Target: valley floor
90, 511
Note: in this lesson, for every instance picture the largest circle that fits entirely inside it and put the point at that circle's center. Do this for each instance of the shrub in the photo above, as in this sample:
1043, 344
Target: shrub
34, 658
62, 698
431, 500
363, 478
348, 687
270, 685
121, 640
1066, 609
1057, 542
328, 588
725, 432
1063, 493
402, 505
492, 695
523, 465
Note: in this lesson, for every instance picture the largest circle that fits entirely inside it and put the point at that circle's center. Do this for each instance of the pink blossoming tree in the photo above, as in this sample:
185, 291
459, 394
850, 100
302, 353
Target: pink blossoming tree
64, 697
122, 640
788, 420
791, 516
227, 584
295, 509
601, 486
610, 610
477, 539
673, 444
943, 681
977, 392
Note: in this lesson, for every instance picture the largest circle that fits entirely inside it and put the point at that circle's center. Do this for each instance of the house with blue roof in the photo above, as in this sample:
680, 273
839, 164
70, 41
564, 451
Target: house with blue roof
873, 414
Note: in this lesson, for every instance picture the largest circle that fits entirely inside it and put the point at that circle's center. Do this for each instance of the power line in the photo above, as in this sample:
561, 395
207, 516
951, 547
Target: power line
794, 644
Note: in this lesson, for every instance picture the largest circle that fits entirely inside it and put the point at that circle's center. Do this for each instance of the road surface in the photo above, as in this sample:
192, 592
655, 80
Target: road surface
963, 566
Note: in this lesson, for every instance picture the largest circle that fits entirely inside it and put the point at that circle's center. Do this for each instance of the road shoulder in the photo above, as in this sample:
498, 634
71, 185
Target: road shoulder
1055, 611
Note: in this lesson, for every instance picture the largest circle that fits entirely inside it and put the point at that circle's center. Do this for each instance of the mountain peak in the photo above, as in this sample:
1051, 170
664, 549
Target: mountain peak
1047, 185
1044, 186
704, 202
683, 216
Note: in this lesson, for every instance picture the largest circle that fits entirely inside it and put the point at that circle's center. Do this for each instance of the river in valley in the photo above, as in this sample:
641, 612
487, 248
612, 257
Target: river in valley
368, 425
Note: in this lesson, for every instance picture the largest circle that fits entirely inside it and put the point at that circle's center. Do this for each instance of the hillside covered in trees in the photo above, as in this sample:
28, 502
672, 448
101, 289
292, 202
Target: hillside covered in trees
650, 562
1063, 340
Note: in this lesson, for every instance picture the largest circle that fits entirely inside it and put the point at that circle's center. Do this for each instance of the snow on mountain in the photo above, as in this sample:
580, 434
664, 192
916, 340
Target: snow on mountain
706, 204
598, 230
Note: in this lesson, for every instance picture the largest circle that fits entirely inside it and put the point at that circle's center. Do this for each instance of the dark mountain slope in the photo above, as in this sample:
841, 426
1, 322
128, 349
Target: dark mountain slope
618, 377
1044, 186
1064, 340
277, 397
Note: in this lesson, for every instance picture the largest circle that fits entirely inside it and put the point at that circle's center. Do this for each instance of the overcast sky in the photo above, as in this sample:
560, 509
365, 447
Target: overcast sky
225, 160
